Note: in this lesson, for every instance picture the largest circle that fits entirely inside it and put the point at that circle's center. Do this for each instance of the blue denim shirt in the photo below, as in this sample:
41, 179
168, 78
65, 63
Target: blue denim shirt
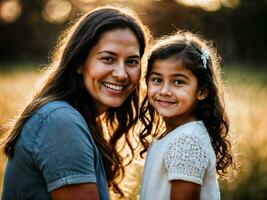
54, 149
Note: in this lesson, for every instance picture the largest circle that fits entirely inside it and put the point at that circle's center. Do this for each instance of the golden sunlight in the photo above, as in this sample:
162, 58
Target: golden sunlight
10, 10
187, 2
209, 5
57, 11
84, 5
87, 1
230, 3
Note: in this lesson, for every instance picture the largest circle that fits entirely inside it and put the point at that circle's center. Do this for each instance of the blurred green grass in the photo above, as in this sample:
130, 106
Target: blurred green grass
246, 89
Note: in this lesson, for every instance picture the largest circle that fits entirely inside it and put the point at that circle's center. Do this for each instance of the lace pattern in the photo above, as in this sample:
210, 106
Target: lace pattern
186, 159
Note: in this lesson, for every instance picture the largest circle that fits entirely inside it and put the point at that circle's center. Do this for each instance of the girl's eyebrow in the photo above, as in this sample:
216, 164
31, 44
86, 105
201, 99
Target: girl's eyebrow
174, 75
180, 75
155, 73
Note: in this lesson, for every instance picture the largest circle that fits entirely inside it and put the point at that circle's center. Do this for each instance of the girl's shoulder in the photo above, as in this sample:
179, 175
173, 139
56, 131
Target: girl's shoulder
193, 129
194, 135
190, 134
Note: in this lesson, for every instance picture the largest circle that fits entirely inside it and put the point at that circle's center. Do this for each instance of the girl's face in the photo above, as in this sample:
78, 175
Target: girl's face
173, 91
112, 69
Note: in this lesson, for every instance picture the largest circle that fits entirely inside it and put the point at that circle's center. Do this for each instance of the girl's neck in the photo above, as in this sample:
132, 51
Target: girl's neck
172, 124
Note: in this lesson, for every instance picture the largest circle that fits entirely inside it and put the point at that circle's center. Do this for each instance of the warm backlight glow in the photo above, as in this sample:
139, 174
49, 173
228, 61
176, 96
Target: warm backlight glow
57, 11
210, 5
187, 2
87, 1
230, 3
10, 10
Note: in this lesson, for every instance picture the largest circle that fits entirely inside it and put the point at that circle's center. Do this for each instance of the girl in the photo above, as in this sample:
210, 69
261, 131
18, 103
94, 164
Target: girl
57, 148
184, 94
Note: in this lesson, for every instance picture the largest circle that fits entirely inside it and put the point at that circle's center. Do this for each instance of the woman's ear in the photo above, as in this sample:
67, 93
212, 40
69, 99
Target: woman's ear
79, 69
202, 93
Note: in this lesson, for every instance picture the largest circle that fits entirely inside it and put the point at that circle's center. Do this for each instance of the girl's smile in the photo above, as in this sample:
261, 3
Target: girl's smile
173, 91
165, 103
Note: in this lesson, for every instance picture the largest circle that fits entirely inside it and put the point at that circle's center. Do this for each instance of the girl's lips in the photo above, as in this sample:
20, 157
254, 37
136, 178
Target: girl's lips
164, 103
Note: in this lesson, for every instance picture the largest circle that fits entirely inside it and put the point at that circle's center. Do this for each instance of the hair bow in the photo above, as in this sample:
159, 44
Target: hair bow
204, 57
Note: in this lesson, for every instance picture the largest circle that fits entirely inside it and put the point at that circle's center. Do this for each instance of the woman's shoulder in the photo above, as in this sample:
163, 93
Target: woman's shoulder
61, 108
54, 113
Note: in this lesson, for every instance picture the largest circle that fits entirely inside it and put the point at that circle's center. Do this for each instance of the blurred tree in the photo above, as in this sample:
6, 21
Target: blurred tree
240, 33
29, 36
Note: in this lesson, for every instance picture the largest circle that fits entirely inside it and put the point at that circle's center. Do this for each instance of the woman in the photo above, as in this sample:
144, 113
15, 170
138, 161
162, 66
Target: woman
57, 148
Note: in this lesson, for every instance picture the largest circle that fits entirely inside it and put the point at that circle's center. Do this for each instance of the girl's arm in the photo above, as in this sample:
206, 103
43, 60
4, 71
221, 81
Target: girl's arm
184, 190
87, 191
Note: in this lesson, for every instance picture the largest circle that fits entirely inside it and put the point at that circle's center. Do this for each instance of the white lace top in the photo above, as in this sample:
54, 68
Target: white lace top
186, 154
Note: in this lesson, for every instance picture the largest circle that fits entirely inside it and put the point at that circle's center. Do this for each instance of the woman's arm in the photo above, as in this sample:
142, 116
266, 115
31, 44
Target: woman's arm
184, 190
87, 191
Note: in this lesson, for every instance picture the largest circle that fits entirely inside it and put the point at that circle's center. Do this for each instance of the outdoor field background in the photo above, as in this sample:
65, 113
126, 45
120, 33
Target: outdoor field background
246, 100
29, 31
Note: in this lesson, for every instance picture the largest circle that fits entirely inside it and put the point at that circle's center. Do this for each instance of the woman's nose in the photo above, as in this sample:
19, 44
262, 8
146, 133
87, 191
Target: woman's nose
119, 71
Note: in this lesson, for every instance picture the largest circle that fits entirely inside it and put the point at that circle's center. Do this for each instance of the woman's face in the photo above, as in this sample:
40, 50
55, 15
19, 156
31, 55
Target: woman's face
112, 69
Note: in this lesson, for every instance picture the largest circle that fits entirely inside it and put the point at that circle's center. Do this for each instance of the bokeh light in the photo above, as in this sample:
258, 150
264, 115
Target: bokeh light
57, 11
209, 5
230, 3
187, 2
10, 10
84, 5
86, 1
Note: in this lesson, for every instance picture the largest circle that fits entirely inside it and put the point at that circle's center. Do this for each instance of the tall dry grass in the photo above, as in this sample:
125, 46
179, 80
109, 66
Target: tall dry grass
246, 99
15, 87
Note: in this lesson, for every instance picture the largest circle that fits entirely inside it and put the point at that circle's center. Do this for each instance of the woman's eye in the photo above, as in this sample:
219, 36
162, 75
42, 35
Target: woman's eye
108, 59
133, 63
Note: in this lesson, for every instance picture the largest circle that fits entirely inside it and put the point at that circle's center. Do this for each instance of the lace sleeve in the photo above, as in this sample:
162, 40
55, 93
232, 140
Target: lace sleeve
186, 159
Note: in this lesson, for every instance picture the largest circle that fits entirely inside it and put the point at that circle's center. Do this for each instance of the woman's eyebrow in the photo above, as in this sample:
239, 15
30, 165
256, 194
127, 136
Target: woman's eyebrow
108, 52
113, 53
135, 56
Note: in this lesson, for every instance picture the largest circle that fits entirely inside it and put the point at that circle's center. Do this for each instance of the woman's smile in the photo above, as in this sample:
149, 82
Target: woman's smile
114, 87
112, 69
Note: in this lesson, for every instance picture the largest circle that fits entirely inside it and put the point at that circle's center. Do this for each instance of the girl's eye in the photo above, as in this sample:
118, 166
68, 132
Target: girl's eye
156, 80
178, 82
133, 62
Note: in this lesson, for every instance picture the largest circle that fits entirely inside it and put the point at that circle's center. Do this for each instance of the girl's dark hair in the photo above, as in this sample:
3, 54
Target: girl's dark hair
64, 83
188, 48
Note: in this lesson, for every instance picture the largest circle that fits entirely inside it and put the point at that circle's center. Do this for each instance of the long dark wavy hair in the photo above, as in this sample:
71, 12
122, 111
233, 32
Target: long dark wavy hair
188, 48
64, 83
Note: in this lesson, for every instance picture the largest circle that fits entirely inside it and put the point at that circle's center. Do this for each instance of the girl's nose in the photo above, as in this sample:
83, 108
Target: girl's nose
119, 71
165, 90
